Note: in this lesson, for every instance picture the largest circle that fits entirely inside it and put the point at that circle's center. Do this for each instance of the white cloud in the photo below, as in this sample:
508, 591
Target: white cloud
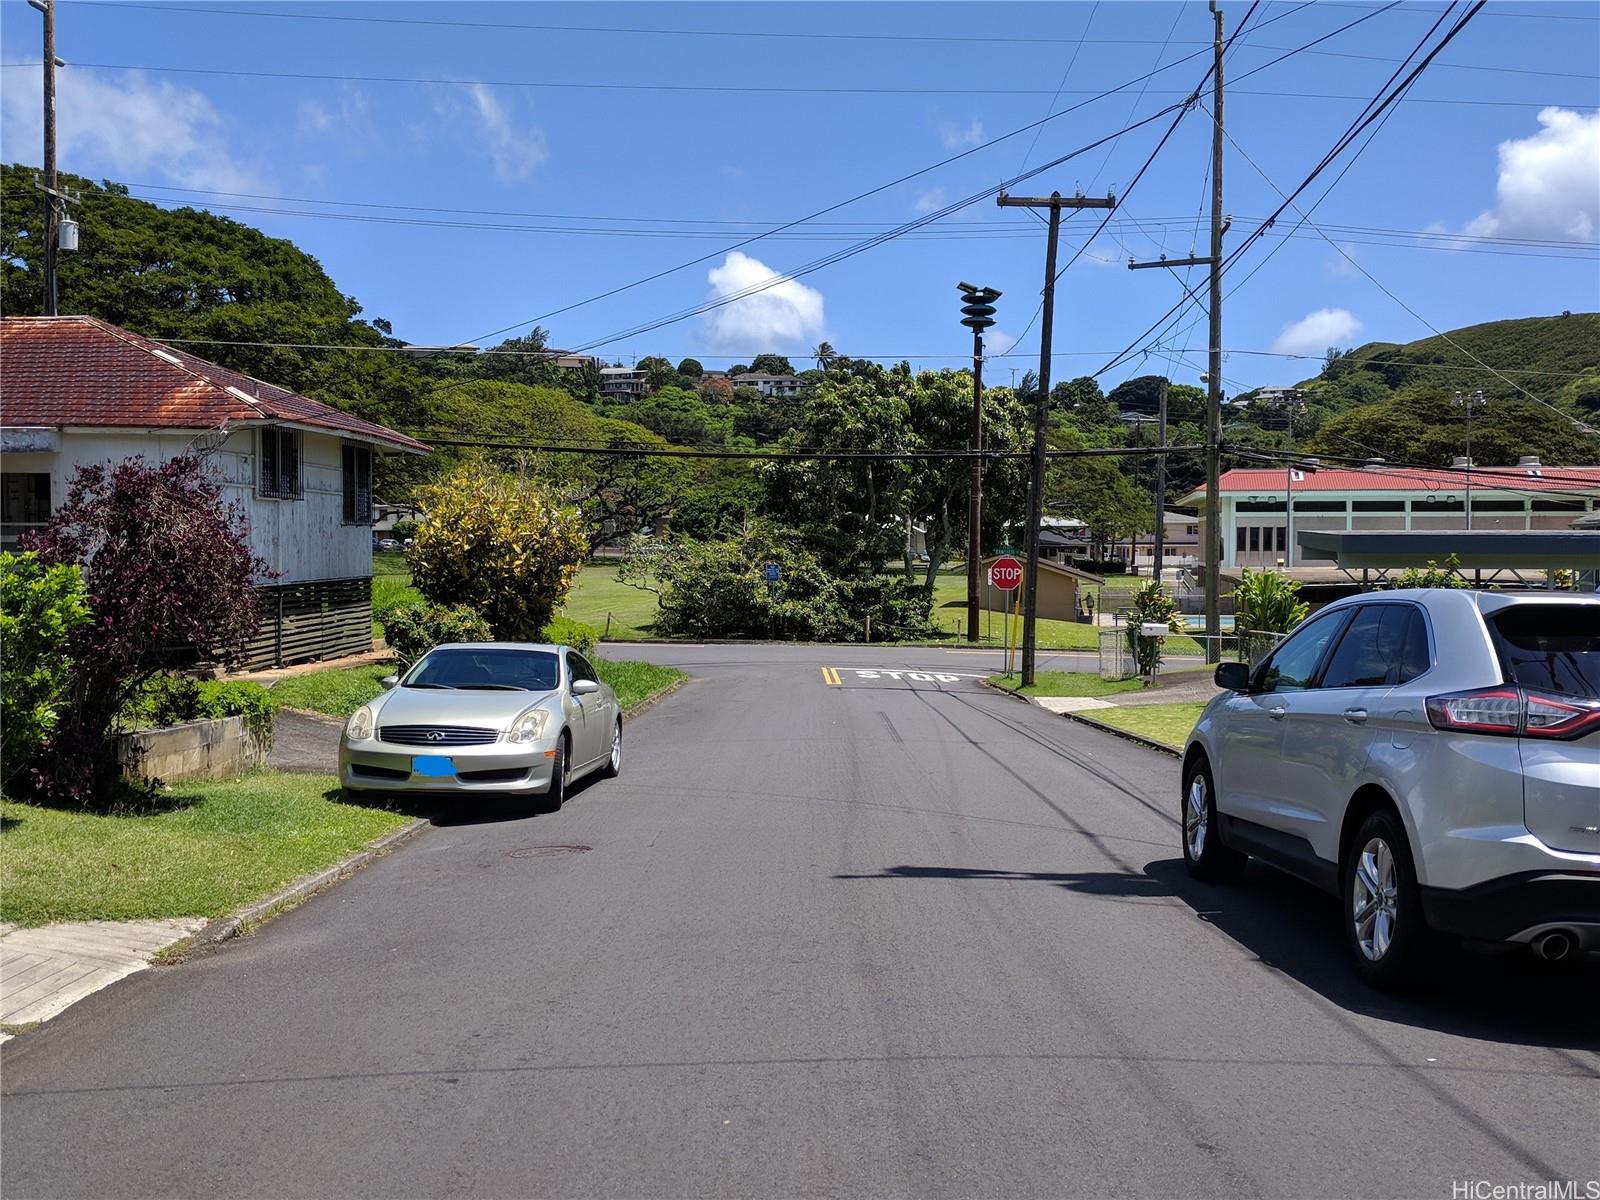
956, 136
997, 341
1342, 266
786, 314
930, 200
516, 152
515, 146
1549, 184
1315, 332
126, 127
349, 117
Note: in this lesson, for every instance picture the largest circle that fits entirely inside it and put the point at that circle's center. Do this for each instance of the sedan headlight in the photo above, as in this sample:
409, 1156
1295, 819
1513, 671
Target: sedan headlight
359, 727
529, 727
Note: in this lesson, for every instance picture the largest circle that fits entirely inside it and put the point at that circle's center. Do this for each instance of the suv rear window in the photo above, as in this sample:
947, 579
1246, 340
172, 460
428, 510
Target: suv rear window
1550, 647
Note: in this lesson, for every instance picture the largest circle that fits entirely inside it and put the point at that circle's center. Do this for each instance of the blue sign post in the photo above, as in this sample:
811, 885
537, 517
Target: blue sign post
771, 572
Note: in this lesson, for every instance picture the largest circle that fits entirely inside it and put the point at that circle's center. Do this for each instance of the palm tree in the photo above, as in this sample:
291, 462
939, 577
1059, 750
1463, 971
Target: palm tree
824, 354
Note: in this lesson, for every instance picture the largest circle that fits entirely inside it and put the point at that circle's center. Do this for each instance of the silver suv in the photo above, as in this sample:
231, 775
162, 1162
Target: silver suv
1432, 757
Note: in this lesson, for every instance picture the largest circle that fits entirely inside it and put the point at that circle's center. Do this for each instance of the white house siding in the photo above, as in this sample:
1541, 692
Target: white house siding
305, 539
319, 603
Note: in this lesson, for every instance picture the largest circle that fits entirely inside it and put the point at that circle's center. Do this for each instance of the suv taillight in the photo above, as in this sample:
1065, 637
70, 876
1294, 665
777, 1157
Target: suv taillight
1514, 712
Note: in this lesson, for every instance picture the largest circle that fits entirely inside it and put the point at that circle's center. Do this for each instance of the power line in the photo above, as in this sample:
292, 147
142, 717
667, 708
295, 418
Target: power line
495, 352
1374, 108
190, 9
750, 89
800, 456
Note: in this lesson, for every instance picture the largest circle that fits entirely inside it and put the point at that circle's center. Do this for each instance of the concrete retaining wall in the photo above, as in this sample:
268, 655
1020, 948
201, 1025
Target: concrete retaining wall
217, 749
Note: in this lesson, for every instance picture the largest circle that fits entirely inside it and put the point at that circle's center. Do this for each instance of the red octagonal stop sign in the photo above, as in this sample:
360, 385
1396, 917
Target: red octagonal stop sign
1005, 573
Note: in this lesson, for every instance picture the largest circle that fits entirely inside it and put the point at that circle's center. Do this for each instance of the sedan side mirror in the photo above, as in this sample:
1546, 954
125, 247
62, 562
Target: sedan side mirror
584, 687
1233, 676
390, 681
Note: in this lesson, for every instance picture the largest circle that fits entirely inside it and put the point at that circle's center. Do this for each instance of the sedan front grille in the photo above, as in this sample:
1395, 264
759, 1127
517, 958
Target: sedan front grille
436, 735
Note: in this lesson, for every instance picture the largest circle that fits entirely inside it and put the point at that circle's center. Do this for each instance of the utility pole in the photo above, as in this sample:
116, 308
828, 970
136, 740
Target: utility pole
48, 8
1160, 547
977, 315
1214, 360
1030, 585
1469, 401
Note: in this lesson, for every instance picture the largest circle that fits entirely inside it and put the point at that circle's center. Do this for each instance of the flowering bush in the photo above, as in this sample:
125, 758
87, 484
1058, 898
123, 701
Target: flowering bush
171, 583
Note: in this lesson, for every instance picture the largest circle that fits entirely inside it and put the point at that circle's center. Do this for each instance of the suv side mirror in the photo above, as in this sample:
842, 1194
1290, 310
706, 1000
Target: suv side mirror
390, 681
1233, 676
584, 687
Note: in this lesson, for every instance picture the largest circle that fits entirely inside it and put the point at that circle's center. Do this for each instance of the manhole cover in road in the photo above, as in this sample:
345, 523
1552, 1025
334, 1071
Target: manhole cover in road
541, 851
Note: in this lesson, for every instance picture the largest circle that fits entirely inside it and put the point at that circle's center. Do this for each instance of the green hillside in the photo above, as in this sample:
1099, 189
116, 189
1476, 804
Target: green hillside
1542, 354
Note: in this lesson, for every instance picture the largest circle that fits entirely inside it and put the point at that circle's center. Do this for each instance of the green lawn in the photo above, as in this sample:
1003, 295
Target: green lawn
337, 691
1067, 683
1169, 723
213, 848
615, 609
635, 682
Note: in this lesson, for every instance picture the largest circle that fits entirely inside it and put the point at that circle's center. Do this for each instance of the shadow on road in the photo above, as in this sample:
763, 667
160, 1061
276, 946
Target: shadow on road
1488, 993
446, 810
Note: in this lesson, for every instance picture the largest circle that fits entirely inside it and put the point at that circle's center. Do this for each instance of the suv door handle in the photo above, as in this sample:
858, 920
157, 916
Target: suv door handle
1356, 716
1277, 714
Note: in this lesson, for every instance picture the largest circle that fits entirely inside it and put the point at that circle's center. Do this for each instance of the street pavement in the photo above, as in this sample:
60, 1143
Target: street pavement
831, 933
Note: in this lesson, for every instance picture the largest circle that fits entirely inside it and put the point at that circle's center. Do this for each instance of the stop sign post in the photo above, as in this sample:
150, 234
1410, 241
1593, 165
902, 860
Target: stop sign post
1005, 573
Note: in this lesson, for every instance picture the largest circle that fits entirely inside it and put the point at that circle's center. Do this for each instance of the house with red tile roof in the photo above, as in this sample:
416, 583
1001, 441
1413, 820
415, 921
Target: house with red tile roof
77, 390
1255, 523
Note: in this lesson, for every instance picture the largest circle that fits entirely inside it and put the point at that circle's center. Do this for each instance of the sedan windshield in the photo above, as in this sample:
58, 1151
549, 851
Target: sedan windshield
486, 670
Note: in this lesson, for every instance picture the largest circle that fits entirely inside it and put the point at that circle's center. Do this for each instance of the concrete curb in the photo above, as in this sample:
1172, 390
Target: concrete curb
312, 714
649, 701
1137, 739
221, 929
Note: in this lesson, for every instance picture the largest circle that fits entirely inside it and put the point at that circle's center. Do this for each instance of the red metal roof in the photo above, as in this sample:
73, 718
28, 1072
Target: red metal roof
58, 371
1413, 479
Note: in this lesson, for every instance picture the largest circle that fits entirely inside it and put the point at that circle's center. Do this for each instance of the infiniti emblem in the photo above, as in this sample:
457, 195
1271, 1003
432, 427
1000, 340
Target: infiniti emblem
434, 735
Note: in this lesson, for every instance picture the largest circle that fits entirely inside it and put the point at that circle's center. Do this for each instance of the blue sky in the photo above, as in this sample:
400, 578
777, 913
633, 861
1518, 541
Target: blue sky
1499, 141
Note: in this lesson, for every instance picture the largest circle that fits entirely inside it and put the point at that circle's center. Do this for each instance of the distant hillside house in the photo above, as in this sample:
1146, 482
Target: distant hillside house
1528, 496
623, 383
782, 386
76, 390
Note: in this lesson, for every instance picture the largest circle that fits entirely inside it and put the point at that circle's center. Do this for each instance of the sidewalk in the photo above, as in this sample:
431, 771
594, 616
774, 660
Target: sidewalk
45, 971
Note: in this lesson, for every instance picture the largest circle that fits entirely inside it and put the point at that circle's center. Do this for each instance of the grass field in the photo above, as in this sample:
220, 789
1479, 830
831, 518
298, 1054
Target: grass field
1067, 683
1168, 723
624, 613
210, 848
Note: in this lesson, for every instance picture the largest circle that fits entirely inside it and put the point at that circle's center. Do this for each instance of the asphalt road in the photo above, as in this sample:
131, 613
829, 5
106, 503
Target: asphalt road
894, 937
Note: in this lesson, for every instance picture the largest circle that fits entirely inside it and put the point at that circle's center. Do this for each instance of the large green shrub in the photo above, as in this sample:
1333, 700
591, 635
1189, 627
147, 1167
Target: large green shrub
40, 607
413, 629
1433, 575
1266, 602
564, 631
504, 544
719, 589
176, 699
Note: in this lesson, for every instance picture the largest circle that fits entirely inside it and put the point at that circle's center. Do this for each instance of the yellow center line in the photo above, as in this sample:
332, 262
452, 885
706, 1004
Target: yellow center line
830, 676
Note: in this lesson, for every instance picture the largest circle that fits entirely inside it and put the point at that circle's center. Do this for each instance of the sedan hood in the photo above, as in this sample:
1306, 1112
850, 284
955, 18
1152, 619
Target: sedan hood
431, 706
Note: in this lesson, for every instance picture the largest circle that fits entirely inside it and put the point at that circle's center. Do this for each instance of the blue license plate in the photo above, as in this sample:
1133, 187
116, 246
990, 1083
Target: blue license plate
432, 764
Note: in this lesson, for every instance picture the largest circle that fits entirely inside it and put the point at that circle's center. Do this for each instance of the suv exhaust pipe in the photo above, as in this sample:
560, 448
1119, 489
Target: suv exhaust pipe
1553, 946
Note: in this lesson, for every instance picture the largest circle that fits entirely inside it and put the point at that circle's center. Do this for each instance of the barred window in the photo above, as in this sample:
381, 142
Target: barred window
280, 464
357, 485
